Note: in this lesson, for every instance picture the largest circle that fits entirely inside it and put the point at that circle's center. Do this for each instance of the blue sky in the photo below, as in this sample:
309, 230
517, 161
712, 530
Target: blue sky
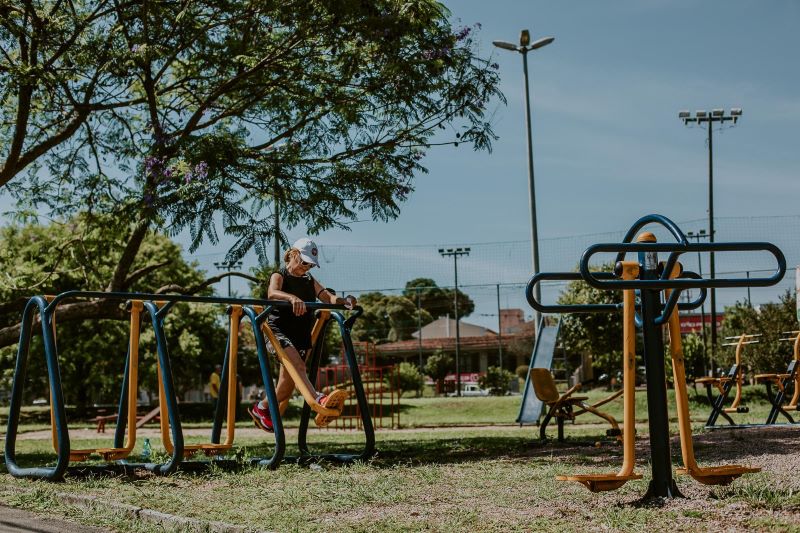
608, 146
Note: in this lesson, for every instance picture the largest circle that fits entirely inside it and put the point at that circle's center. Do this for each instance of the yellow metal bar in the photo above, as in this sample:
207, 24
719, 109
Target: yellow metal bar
233, 357
630, 270
299, 383
605, 482
796, 395
133, 386
719, 475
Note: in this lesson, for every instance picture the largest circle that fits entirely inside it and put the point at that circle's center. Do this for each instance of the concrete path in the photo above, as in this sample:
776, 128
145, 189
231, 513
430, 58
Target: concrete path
18, 521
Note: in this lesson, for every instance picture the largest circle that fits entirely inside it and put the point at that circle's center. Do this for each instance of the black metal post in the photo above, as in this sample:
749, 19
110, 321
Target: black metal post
711, 239
662, 484
531, 186
458, 331
499, 330
419, 327
454, 253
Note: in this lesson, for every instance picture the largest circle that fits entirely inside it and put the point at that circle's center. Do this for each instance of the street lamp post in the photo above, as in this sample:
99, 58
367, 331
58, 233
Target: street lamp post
697, 236
704, 117
229, 266
455, 253
523, 48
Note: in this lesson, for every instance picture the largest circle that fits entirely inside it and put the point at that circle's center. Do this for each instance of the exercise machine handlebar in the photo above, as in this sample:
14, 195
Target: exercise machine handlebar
676, 250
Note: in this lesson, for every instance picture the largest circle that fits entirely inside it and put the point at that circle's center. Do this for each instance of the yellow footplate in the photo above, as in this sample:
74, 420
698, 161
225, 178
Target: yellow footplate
335, 402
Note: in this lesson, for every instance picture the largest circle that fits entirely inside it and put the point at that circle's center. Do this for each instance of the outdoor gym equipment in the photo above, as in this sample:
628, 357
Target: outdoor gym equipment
157, 307
563, 406
784, 383
724, 384
650, 278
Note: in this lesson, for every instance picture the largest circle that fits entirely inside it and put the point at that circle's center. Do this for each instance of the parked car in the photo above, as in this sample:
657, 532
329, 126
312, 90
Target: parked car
471, 389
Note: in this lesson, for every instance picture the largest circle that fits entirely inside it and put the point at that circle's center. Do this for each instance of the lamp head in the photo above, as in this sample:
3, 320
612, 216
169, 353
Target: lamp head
524, 38
506, 45
542, 42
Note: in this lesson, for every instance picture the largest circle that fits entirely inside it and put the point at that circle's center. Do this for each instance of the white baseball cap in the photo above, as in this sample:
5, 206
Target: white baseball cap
308, 250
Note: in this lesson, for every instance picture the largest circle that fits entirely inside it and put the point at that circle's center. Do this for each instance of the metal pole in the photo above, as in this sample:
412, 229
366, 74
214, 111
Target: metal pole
707, 371
711, 239
662, 483
419, 327
531, 186
499, 330
749, 300
458, 333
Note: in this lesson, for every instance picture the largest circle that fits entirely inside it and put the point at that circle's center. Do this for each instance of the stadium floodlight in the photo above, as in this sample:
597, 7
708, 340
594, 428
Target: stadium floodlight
455, 254
701, 116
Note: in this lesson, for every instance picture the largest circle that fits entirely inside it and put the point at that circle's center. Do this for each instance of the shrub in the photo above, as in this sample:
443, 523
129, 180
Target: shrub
437, 367
496, 380
407, 377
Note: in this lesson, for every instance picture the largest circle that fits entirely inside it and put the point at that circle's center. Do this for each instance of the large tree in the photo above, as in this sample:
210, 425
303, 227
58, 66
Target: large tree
214, 116
436, 300
58, 257
388, 318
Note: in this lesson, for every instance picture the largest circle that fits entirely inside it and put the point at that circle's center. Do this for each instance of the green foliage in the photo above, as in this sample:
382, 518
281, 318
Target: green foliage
406, 377
770, 320
388, 318
496, 380
522, 371
437, 301
599, 334
694, 355
81, 255
206, 115
437, 367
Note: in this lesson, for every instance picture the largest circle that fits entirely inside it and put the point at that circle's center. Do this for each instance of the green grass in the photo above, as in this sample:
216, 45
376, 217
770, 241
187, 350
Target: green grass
451, 478
431, 480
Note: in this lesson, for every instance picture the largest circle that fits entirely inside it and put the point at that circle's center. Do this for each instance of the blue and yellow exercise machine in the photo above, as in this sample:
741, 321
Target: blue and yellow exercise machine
157, 306
658, 286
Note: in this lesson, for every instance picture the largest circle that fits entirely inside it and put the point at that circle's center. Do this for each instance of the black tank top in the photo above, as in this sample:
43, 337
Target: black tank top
297, 328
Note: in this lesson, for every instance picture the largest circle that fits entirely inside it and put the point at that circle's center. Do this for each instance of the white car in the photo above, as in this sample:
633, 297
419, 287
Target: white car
471, 389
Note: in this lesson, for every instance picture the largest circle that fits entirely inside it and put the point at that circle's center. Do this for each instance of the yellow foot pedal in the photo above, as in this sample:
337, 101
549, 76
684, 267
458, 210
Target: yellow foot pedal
718, 475
600, 482
334, 401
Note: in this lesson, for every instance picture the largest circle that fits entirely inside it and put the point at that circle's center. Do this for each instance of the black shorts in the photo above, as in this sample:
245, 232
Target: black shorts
284, 341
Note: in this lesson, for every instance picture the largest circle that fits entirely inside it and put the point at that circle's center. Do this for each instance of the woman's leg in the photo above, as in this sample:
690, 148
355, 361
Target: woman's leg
286, 385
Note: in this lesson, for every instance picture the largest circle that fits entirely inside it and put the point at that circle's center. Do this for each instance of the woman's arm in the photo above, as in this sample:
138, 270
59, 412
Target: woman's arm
326, 296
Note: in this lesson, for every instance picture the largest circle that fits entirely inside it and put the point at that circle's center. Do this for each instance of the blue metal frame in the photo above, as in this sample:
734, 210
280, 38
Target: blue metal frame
366, 420
46, 312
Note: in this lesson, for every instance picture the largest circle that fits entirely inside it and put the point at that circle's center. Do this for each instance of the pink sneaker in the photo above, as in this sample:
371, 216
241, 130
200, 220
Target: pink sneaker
261, 418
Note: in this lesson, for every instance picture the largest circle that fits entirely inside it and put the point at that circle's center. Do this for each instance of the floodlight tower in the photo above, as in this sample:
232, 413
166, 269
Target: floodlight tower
704, 117
455, 253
